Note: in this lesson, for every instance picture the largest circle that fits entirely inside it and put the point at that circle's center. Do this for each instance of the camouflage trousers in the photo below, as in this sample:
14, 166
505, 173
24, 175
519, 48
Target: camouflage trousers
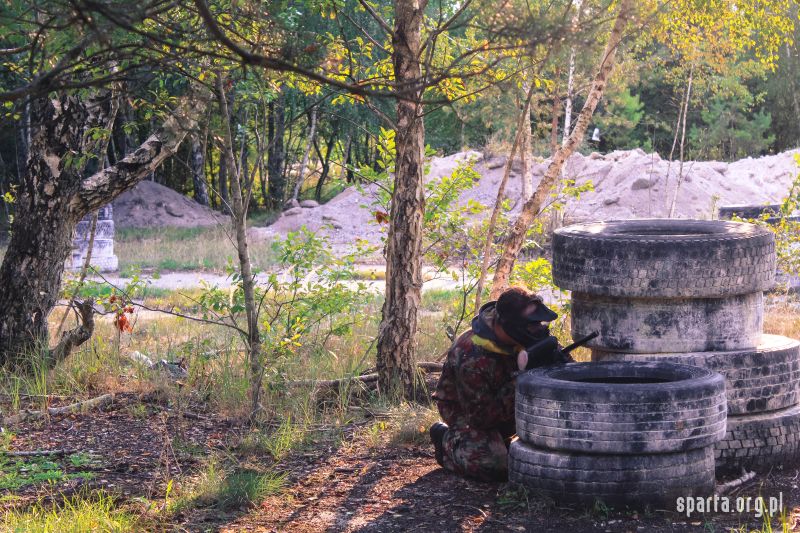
476, 454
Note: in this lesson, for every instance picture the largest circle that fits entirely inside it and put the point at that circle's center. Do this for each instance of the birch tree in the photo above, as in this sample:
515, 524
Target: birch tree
531, 209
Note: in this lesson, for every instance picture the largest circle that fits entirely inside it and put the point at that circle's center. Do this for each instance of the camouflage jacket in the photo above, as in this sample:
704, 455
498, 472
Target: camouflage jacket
476, 388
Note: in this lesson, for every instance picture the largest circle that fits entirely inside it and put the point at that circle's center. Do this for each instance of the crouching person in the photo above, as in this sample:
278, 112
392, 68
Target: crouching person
475, 394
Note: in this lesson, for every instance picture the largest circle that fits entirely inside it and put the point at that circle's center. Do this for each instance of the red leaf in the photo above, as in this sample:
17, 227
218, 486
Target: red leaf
382, 217
122, 323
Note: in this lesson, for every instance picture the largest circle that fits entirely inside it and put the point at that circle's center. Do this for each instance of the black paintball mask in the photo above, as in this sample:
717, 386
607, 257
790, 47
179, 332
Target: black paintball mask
528, 329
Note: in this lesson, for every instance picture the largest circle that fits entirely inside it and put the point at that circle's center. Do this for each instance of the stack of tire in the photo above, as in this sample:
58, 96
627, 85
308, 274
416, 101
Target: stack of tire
691, 292
623, 433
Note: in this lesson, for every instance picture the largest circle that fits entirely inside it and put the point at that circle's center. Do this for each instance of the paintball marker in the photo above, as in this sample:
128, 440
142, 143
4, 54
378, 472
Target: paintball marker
546, 352
580, 342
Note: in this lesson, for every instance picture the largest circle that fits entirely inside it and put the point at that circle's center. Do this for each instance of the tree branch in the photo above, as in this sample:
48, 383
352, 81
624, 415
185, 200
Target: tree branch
379, 19
75, 337
272, 62
102, 187
78, 407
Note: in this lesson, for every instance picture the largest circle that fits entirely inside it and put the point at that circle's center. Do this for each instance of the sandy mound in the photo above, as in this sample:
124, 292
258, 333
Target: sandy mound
633, 184
150, 205
628, 184
349, 216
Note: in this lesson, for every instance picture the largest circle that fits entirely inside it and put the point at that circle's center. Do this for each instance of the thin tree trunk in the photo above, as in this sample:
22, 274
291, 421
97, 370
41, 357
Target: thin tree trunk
683, 142
532, 207
276, 128
248, 281
525, 149
290, 148
326, 165
345, 175
198, 172
214, 197
674, 142
556, 112
568, 99
312, 131
226, 172
498, 204
262, 167
244, 173
222, 183
571, 75
397, 335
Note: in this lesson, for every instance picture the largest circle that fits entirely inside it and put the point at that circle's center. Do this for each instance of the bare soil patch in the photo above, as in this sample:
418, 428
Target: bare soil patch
340, 485
133, 448
399, 488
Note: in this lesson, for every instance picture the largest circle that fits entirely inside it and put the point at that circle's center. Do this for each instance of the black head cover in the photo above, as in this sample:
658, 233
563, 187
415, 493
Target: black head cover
542, 314
523, 316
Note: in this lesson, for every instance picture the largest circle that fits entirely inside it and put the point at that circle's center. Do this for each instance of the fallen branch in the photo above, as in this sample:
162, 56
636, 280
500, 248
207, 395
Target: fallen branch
426, 366
36, 453
175, 412
333, 383
730, 485
78, 407
175, 370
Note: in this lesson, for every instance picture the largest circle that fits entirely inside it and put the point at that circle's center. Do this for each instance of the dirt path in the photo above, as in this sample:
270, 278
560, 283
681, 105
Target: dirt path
387, 490
352, 485
401, 488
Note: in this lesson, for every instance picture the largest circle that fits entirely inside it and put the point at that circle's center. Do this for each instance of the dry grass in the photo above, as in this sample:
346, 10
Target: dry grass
782, 316
184, 249
216, 360
297, 416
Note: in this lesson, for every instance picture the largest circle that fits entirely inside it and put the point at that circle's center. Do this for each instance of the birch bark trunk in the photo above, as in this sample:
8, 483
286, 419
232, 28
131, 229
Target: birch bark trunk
531, 209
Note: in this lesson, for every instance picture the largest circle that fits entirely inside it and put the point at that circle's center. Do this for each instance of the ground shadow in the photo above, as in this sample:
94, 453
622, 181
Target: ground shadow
437, 501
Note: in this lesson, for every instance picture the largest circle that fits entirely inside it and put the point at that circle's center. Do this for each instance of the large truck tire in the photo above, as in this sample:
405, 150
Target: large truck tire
621, 407
761, 379
760, 442
613, 479
664, 258
644, 325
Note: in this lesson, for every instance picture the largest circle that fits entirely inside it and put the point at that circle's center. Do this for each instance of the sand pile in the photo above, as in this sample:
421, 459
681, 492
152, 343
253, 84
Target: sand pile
150, 205
633, 184
628, 184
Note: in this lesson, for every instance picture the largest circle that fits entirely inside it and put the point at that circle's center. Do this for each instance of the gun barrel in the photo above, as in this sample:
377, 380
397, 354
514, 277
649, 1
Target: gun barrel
581, 341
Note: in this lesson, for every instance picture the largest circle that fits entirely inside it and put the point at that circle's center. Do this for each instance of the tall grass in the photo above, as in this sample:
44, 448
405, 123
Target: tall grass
216, 363
782, 317
229, 488
183, 249
78, 514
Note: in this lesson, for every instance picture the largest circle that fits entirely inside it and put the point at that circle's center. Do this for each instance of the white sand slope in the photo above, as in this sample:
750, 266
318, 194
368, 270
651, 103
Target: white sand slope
628, 184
